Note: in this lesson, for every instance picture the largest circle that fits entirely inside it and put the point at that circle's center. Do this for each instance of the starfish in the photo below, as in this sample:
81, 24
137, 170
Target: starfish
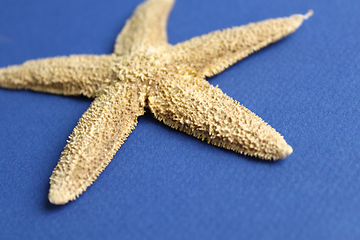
146, 72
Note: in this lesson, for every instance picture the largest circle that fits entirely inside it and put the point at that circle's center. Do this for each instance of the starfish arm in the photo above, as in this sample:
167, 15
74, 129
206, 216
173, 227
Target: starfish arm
99, 134
205, 112
210, 54
146, 29
74, 75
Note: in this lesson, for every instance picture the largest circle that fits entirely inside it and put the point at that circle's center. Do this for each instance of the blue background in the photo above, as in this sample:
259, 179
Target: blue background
164, 184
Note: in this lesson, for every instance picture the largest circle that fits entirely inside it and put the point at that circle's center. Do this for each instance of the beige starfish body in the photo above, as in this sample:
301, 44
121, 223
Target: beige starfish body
146, 72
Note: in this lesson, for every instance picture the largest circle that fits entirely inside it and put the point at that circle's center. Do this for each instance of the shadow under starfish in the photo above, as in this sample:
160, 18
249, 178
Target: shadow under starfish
145, 71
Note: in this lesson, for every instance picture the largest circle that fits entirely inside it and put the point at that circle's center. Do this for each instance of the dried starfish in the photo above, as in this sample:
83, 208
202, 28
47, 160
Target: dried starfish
145, 71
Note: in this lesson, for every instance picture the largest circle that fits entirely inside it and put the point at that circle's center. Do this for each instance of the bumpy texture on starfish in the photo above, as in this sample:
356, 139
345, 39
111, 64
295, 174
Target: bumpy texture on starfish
145, 71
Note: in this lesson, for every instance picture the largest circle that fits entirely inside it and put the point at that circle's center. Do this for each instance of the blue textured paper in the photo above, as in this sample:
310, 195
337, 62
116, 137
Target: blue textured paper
164, 184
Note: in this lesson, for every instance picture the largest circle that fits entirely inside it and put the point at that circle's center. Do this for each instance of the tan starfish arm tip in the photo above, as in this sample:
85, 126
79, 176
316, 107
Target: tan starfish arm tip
146, 29
199, 109
285, 151
101, 131
73, 75
308, 14
212, 53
